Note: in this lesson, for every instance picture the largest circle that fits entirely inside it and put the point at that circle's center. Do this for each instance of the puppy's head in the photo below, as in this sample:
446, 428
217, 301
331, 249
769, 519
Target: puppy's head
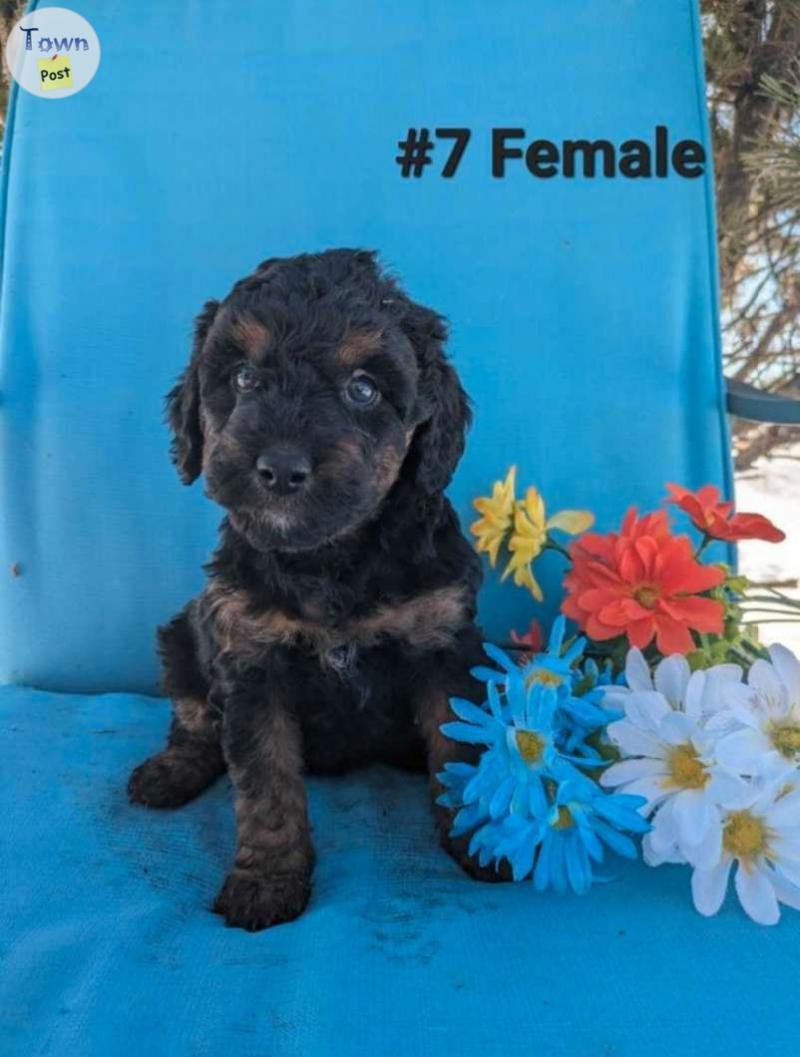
311, 389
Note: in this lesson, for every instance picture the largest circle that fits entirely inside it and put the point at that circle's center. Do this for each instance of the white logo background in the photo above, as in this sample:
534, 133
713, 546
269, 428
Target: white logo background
54, 31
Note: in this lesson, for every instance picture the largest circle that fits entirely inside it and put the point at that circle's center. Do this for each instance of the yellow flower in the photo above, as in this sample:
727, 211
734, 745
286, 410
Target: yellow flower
498, 511
531, 528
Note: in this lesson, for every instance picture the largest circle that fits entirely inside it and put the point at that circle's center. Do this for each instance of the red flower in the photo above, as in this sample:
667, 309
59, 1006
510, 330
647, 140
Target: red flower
642, 582
533, 639
716, 518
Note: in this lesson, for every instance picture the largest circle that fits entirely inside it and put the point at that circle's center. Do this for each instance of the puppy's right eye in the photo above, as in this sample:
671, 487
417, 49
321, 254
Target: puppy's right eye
245, 379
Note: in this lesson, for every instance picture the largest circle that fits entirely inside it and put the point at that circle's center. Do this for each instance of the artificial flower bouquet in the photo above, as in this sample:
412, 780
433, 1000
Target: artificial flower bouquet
665, 720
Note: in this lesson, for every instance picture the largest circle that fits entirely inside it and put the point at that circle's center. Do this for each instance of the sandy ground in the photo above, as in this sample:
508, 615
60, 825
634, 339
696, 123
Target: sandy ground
773, 488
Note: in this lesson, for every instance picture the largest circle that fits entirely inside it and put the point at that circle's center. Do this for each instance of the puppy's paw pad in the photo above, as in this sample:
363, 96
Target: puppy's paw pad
252, 901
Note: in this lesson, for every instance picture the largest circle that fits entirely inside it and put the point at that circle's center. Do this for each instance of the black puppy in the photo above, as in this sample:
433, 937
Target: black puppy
338, 616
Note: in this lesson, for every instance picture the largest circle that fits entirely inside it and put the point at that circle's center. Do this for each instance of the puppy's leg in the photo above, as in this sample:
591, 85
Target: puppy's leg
193, 757
271, 877
432, 710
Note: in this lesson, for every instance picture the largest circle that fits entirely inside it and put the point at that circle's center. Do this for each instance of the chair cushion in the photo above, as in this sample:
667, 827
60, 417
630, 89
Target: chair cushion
109, 946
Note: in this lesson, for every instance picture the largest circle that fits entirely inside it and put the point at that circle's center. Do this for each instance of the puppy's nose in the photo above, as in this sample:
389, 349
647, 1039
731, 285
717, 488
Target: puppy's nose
283, 470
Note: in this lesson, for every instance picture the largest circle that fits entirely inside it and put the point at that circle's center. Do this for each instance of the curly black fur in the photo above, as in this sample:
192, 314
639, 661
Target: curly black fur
339, 613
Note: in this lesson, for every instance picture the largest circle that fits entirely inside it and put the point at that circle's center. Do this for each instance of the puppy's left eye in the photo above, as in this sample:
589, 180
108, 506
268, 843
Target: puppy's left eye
362, 391
245, 379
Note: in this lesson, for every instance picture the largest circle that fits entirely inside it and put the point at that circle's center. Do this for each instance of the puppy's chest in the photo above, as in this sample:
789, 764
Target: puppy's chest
426, 621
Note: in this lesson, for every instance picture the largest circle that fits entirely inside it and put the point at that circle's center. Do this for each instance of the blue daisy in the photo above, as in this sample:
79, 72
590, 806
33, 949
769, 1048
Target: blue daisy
522, 752
552, 666
584, 821
563, 849
579, 698
529, 799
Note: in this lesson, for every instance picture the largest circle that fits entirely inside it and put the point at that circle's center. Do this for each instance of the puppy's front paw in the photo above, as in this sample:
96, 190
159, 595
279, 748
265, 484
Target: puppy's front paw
171, 779
254, 901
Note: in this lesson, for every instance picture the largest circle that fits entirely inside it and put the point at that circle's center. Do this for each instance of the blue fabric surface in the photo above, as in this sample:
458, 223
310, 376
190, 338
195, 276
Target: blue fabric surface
109, 947
214, 135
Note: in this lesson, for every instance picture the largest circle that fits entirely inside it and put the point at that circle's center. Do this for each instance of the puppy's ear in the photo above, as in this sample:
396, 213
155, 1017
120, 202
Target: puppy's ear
183, 405
443, 407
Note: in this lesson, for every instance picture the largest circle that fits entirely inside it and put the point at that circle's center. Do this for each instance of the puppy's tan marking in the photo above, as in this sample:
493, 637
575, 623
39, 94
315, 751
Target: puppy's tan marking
271, 814
358, 345
243, 631
344, 454
251, 336
348, 448
432, 709
193, 713
426, 621
387, 467
214, 441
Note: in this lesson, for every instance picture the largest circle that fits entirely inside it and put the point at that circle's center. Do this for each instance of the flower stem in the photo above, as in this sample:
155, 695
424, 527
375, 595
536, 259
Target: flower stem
747, 651
552, 544
704, 543
774, 599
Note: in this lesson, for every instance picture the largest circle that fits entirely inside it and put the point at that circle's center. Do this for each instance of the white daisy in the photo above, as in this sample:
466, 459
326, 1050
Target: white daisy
761, 832
768, 719
670, 754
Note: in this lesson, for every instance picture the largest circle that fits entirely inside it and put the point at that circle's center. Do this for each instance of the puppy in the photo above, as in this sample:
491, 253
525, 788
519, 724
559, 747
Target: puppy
338, 617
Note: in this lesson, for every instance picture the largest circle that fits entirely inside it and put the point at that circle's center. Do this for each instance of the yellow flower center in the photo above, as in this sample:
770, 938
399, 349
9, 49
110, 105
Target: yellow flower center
744, 835
786, 739
544, 677
646, 596
685, 769
530, 745
565, 819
